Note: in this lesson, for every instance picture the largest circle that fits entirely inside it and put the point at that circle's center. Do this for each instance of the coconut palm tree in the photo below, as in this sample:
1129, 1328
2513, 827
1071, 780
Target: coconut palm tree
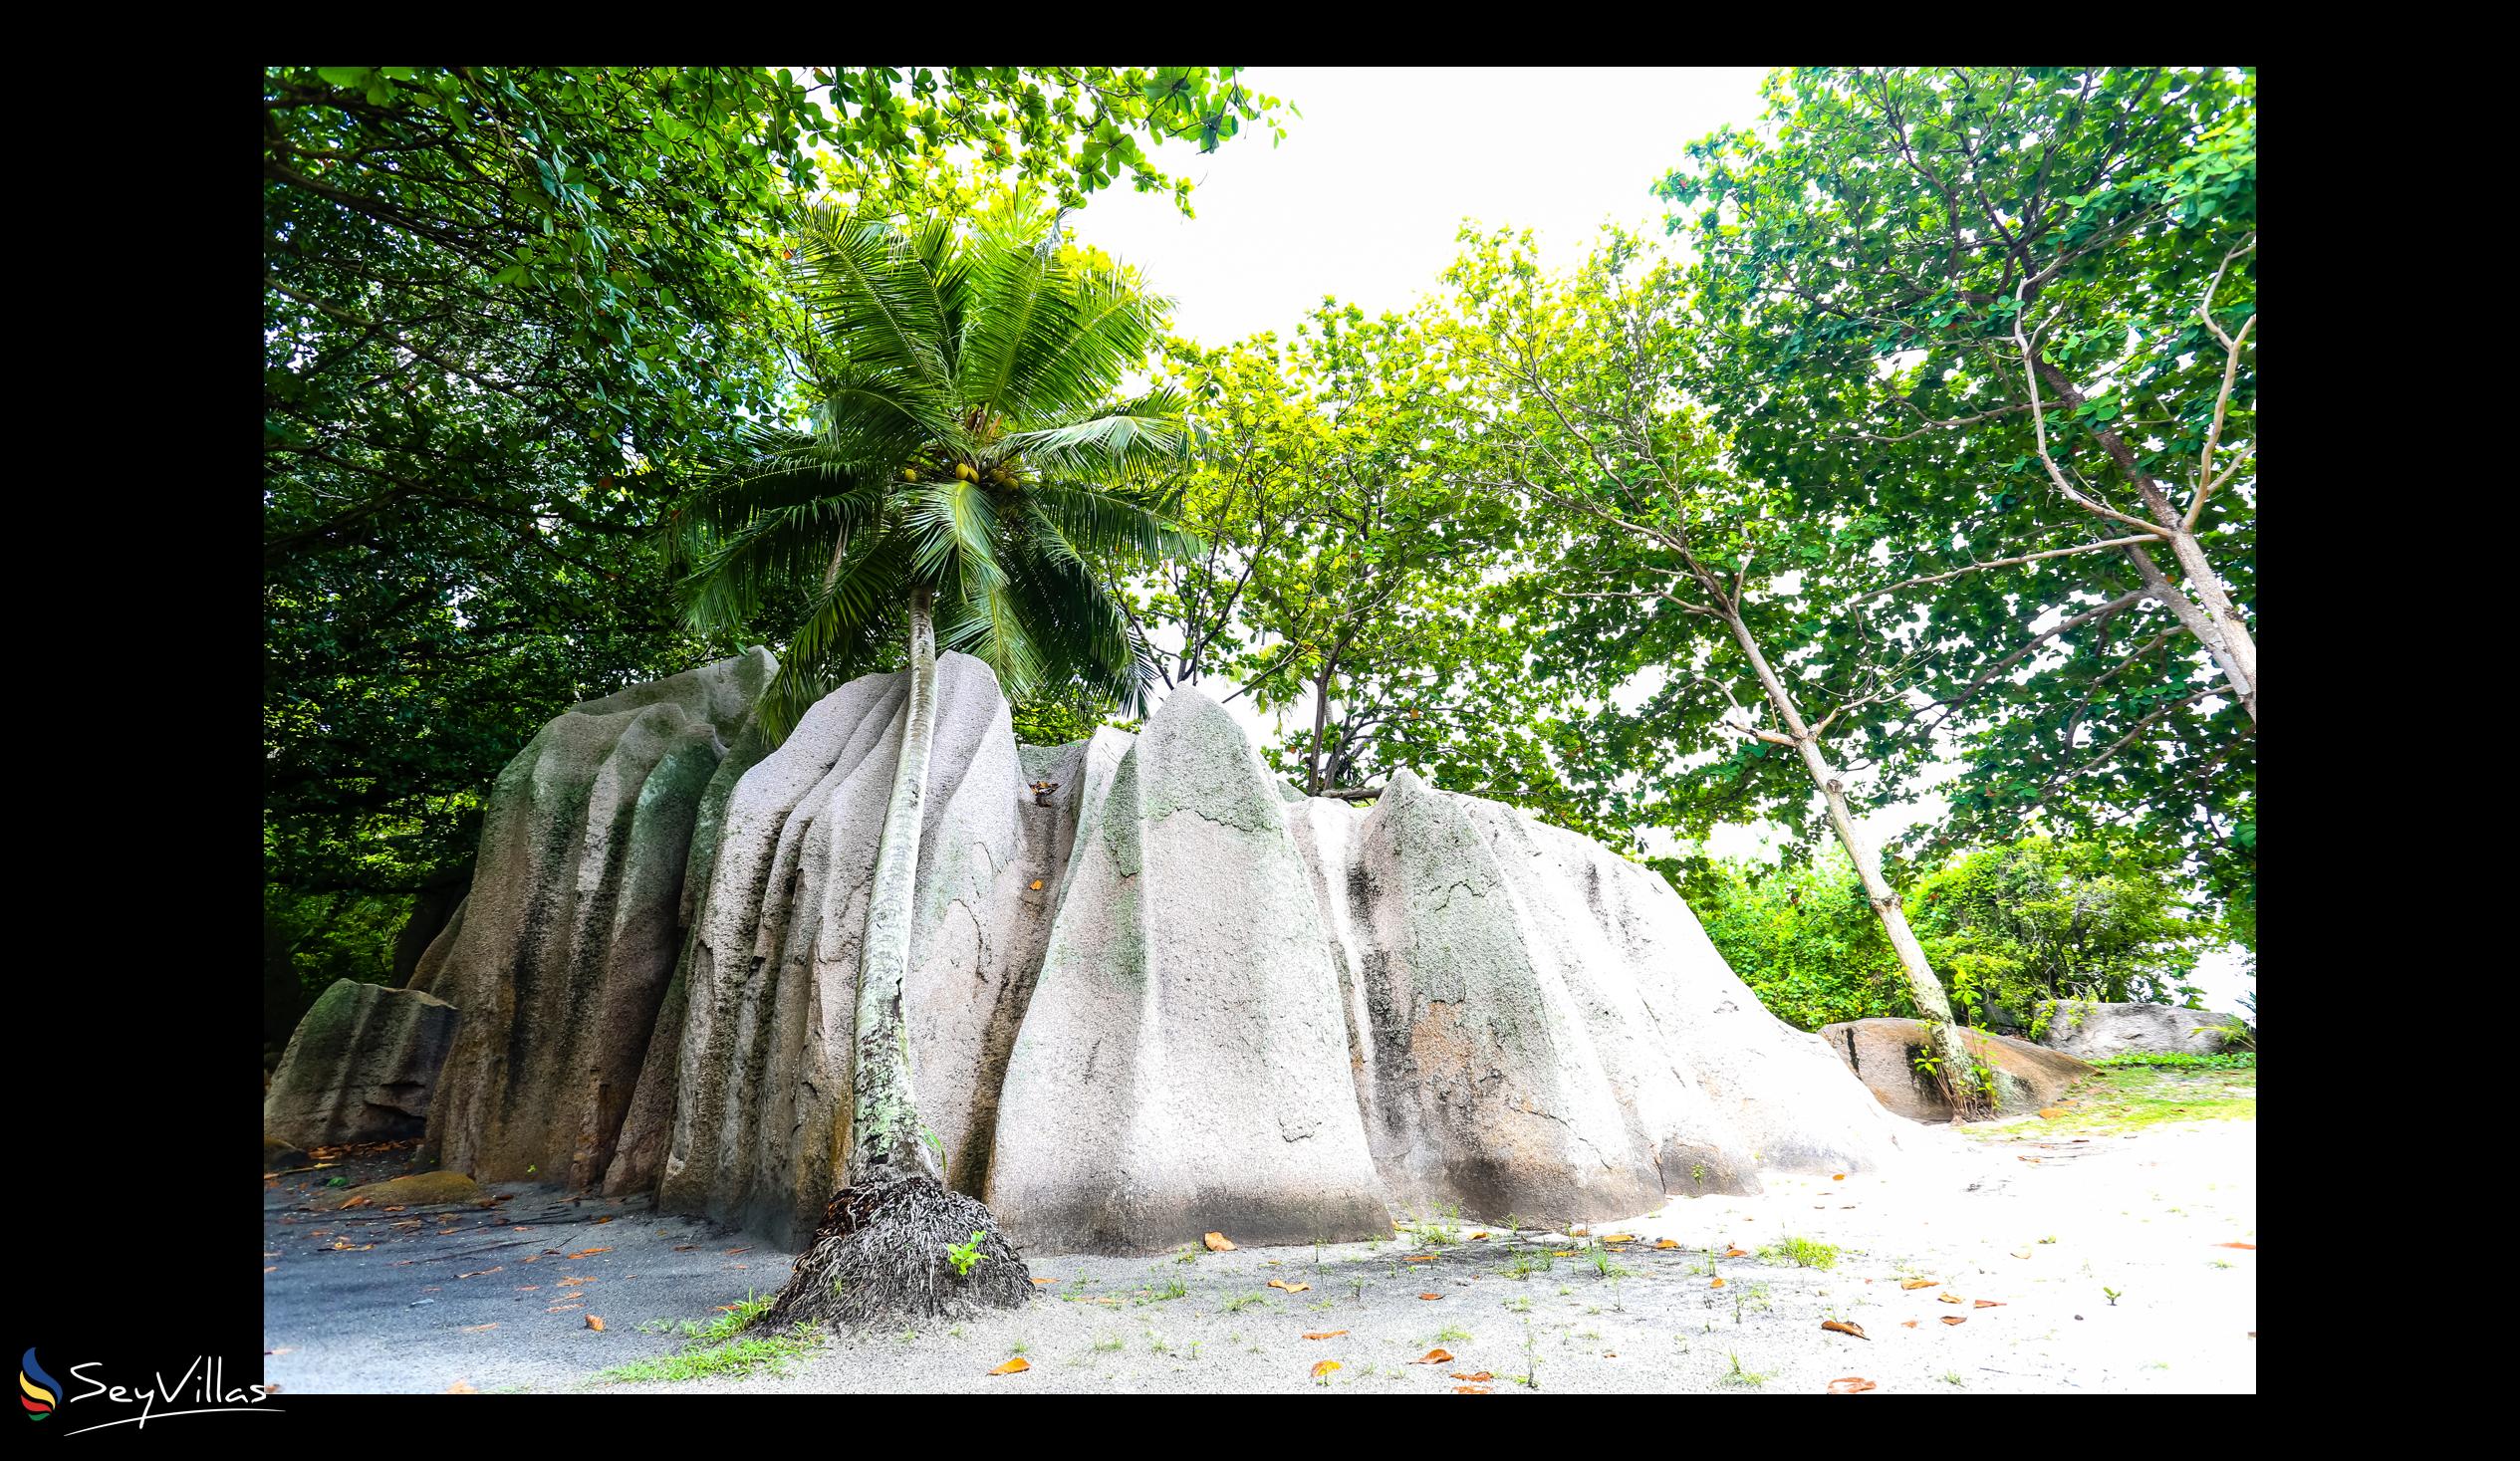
968, 470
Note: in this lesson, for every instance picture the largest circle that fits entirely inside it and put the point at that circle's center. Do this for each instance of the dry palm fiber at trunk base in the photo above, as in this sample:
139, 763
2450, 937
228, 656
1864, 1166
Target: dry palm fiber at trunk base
880, 1253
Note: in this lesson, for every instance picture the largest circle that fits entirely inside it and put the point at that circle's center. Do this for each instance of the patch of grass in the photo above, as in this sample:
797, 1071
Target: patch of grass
1450, 1334
1741, 1377
2175, 1060
1172, 1289
1241, 1301
1439, 1226
1952, 1378
1109, 1342
734, 1359
726, 1325
1801, 1253
2122, 1100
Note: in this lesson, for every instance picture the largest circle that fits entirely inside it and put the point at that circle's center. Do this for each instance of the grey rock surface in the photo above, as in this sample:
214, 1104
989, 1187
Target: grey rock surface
1547, 1031
1883, 1055
361, 1067
569, 937
2093, 1031
1184, 1065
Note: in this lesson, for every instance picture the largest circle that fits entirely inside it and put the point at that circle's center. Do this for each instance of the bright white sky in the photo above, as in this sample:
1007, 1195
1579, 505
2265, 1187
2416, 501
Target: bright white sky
1364, 199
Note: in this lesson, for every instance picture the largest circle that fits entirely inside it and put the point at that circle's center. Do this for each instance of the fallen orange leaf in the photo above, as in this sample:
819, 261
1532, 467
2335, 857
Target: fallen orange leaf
1918, 1283
1473, 1379
1433, 1357
1950, 1299
1736, 1253
1665, 1242
2252, 1246
1326, 1335
1325, 1367
1990, 1302
1036, 885
588, 1252
1219, 1243
1955, 1318
1016, 1366
1907, 1324
1837, 1176
1474, 1237
479, 1328
595, 1323
460, 1389
1419, 1258
1430, 1296
1620, 1238
1289, 1287
1474, 1390
1578, 1232
1717, 1283
2050, 1114
1842, 1327
1566, 1252
1852, 1385
1044, 1281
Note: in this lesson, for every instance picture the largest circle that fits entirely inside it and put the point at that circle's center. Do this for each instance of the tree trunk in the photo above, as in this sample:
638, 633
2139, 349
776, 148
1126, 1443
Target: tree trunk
1923, 985
887, 1140
2218, 625
1313, 779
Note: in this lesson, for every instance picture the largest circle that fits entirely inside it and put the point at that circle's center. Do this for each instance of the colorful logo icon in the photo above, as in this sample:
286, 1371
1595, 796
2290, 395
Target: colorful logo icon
40, 1392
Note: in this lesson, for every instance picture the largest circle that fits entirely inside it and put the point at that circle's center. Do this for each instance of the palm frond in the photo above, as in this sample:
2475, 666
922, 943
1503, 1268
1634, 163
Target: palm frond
1109, 443
779, 524
871, 287
1106, 325
1018, 303
1086, 524
1079, 632
844, 632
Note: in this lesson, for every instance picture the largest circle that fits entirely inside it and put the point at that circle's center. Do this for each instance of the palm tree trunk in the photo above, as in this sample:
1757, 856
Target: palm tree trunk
887, 1140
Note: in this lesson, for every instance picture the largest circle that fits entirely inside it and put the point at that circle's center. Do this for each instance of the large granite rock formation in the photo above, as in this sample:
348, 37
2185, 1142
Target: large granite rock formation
1882, 1054
1153, 991
2092, 1031
563, 950
361, 1067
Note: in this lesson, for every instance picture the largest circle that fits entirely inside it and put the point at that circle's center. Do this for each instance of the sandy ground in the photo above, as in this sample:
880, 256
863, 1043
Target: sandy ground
2044, 1240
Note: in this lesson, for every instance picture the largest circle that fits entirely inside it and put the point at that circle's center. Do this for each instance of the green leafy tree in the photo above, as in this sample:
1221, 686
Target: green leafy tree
1350, 563
1701, 591
2041, 920
2002, 319
1804, 937
968, 478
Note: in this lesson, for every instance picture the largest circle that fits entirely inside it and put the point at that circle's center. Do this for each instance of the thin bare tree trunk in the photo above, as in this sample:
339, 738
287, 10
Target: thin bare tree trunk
1923, 985
887, 1140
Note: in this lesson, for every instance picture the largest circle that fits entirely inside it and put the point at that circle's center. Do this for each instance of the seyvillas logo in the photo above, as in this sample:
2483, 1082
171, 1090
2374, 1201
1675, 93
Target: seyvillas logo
201, 1389
39, 1392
